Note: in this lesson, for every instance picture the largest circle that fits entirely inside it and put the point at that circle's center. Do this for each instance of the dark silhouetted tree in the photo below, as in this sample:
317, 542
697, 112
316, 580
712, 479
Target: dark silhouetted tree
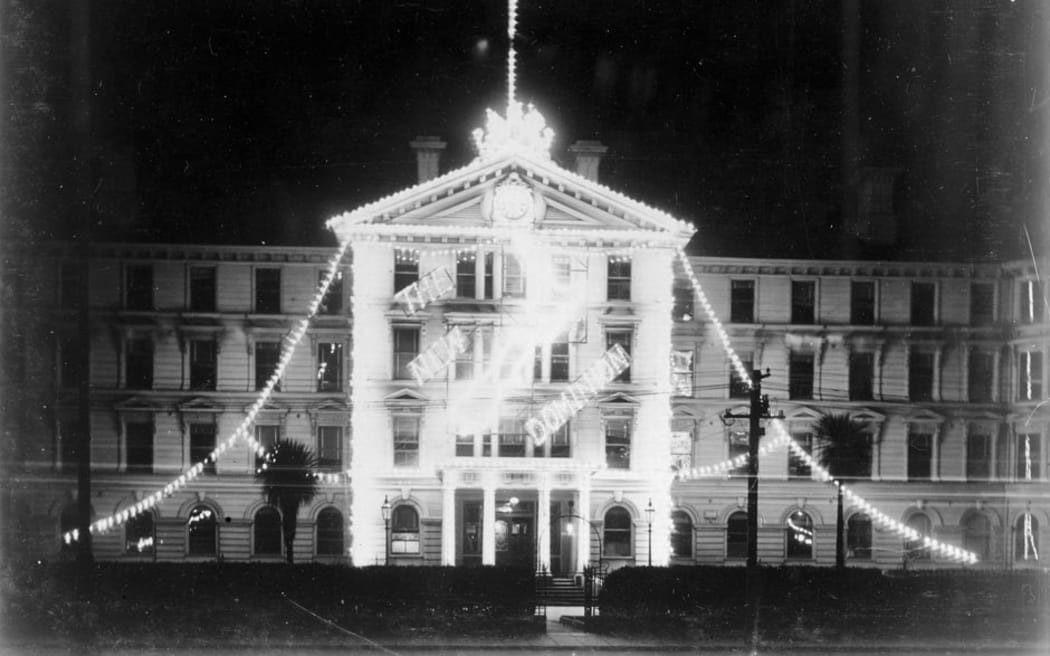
845, 446
288, 483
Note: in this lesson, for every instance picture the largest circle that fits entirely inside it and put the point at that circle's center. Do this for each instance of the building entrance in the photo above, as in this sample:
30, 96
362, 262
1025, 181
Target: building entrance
515, 533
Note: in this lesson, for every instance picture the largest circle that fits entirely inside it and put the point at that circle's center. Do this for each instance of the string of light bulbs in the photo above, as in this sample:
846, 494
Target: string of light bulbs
288, 346
782, 437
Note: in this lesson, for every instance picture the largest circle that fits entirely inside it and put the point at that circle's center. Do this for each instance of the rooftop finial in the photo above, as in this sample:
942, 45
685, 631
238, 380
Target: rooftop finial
512, 28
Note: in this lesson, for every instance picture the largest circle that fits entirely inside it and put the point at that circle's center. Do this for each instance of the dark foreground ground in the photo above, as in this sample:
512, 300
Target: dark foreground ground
269, 609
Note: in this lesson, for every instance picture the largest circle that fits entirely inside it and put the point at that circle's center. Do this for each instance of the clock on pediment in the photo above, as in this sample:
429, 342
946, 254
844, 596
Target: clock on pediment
513, 202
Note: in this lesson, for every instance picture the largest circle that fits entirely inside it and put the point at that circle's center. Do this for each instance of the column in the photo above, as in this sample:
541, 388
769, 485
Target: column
543, 528
997, 355
488, 523
448, 522
937, 357
583, 536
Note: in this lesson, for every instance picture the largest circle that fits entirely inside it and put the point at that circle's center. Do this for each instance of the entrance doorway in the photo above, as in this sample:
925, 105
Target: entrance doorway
515, 533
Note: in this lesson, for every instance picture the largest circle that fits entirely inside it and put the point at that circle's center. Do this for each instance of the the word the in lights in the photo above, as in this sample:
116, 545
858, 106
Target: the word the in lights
429, 288
575, 396
437, 356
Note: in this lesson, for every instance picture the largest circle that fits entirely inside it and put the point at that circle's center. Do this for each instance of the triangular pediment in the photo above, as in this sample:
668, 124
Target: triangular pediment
328, 405
405, 395
804, 413
200, 404
619, 399
461, 202
138, 404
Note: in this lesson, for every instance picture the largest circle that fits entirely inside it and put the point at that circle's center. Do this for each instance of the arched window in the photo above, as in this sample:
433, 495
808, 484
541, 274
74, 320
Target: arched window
266, 532
202, 531
799, 535
1026, 538
404, 531
914, 549
330, 532
617, 533
681, 534
977, 536
736, 535
858, 536
138, 534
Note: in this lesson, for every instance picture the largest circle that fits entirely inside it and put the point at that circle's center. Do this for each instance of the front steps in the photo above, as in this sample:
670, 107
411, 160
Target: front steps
557, 591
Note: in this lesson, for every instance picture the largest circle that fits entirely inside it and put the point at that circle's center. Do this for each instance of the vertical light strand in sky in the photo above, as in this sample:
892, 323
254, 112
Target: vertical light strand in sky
512, 28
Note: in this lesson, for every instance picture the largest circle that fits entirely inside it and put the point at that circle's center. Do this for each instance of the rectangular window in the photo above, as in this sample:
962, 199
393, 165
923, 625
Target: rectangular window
465, 446
1027, 457
618, 442
71, 274
138, 287
803, 301
464, 367
920, 376
138, 363
861, 376
562, 271
511, 438
406, 441
329, 367
618, 279
738, 446
560, 358
537, 364
202, 364
862, 303
513, 277
978, 457
139, 440
202, 443
1031, 302
466, 275
982, 304
800, 376
739, 387
682, 373
406, 269
797, 467
742, 301
406, 348
1030, 369
266, 436
683, 304
267, 355
681, 451
920, 455
268, 291
330, 448
202, 289
923, 303
980, 376
623, 337
489, 275
560, 446
332, 303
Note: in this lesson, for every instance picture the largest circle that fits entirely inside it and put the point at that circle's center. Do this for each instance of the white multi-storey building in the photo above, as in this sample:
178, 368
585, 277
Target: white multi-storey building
466, 384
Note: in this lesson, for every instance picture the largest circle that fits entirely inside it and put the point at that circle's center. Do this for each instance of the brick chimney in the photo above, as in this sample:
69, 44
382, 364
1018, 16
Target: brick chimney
588, 157
428, 156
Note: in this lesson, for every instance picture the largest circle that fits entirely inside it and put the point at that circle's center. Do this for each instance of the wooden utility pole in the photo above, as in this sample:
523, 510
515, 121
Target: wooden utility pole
759, 410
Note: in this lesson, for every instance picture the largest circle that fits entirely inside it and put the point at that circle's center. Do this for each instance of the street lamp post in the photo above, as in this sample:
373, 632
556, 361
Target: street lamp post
386, 529
649, 510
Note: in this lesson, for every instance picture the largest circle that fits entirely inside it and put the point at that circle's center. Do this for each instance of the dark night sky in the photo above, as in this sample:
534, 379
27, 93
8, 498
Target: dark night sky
248, 122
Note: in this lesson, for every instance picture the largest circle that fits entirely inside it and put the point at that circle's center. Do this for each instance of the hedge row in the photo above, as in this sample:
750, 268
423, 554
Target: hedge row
810, 601
158, 603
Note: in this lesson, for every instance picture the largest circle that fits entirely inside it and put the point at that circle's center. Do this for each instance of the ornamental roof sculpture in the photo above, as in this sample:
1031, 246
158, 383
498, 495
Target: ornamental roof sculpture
523, 131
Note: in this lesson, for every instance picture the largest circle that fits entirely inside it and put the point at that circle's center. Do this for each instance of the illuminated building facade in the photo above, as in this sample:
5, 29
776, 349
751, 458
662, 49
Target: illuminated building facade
510, 367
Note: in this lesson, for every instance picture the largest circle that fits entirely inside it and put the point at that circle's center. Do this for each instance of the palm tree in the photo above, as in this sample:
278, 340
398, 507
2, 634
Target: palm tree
288, 482
845, 451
